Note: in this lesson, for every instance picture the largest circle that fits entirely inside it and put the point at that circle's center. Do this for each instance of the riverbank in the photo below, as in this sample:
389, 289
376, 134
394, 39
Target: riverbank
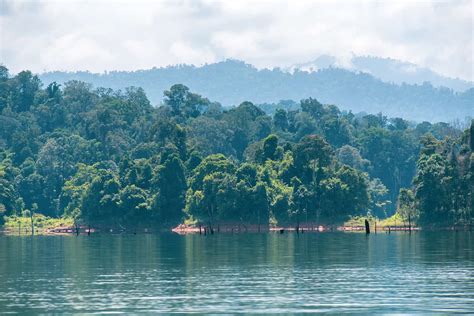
354, 224
246, 228
183, 229
44, 225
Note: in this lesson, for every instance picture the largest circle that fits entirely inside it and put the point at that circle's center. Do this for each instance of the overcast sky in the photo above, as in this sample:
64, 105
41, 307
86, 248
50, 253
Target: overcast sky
130, 35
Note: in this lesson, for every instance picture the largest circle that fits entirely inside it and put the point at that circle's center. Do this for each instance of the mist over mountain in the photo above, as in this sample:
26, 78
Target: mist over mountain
386, 69
232, 82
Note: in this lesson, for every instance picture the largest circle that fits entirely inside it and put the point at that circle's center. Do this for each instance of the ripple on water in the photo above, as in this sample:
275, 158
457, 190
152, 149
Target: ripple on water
239, 273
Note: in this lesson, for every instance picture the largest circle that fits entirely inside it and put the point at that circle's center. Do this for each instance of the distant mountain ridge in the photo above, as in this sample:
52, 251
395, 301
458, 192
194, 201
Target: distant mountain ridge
388, 70
232, 82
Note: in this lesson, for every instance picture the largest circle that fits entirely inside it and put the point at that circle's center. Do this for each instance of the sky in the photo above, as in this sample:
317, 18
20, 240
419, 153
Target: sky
141, 34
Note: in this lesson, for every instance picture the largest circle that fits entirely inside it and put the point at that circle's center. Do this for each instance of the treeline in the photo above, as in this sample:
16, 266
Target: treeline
109, 158
443, 187
232, 82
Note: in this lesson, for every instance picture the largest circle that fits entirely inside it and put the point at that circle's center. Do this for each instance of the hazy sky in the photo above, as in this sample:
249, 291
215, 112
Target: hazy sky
129, 35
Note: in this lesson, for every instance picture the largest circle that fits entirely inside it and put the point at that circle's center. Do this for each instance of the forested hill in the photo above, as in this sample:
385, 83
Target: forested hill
105, 157
233, 82
388, 70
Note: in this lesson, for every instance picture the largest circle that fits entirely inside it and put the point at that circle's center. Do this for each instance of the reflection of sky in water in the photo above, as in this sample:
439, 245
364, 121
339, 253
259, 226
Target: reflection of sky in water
337, 272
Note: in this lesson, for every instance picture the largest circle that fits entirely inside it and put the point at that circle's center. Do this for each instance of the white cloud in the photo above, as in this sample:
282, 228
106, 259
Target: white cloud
108, 35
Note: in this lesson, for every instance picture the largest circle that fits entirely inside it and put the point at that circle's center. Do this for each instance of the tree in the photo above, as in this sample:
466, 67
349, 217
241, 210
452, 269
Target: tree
406, 206
210, 136
101, 201
74, 190
336, 131
379, 199
134, 204
392, 156
312, 107
333, 194
9, 198
205, 206
300, 201
176, 97
57, 161
210, 164
167, 133
471, 136
184, 103
270, 145
170, 184
356, 198
311, 154
351, 156
429, 190
53, 90
280, 119
25, 86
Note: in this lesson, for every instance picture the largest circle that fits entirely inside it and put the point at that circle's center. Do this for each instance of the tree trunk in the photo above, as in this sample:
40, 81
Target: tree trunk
306, 218
258, 214
409, 223
32, 224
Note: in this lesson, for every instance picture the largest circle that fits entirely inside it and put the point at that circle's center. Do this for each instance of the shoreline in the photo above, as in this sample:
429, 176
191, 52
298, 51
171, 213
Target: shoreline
303, 229
185, 230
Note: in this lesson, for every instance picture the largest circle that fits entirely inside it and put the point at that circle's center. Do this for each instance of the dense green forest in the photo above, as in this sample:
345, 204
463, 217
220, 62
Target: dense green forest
109, 158
233, 82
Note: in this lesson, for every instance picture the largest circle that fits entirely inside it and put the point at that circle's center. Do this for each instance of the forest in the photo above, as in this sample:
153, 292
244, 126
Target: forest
109, 158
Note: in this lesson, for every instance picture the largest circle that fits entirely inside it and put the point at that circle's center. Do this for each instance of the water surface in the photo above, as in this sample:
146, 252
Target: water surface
313, 272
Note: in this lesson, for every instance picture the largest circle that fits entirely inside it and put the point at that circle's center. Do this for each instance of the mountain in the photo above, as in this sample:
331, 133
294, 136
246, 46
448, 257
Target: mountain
231, 82
386, 69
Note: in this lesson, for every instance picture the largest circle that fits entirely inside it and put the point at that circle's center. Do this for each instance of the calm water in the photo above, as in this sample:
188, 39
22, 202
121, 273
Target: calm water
335, 272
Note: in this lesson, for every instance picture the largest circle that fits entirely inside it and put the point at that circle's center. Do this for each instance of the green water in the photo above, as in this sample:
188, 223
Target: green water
317, 272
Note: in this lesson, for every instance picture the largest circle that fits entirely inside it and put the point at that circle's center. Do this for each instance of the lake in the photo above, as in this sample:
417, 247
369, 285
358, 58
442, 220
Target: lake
268, 272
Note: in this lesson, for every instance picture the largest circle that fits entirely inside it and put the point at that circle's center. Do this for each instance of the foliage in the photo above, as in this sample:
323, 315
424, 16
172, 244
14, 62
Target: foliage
108, 158
444, 183
40, 221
